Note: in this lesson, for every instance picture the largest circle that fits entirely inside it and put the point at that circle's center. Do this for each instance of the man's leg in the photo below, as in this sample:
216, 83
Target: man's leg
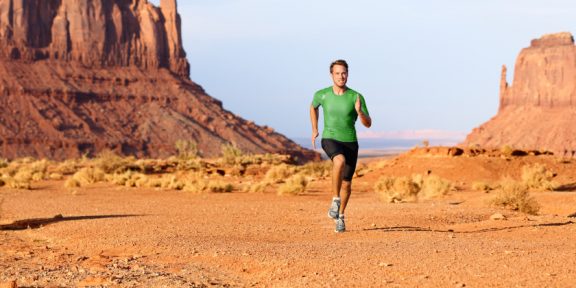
337, 167
347, 187
338, 162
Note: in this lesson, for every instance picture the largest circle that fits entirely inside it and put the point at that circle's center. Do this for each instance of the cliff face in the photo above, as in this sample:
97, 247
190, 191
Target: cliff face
96, 33
80, 76
539, 109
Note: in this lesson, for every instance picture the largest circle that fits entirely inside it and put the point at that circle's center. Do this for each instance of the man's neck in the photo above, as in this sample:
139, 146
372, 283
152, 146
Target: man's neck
339, 90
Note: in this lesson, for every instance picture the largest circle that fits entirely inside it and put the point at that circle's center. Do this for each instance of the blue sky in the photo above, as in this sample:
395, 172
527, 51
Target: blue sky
422, 65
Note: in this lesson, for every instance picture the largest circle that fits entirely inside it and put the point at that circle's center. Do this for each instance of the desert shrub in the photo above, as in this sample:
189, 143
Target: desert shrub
506, 150
399, 189
321, 169
56, 176
186, 149
189, 164
89, 175
172, 182
515, 196
110, 163
277, 174
3, 163
197, 184
537, 176
258, 187
434, 186
481, 186
2, 182
293, 186
231, 154
71, 183
21, 180
67, 167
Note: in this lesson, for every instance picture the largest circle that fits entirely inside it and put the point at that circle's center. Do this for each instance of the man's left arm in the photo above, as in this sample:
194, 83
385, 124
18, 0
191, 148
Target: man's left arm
362, 111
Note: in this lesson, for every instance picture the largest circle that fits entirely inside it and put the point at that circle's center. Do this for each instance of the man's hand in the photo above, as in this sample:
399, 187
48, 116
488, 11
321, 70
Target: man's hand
314, 136
358, 105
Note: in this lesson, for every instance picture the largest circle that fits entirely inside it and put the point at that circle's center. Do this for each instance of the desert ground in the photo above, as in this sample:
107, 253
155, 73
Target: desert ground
113, 233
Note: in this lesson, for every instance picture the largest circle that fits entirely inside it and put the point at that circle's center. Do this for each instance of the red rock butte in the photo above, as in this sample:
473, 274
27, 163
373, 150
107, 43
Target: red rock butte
79, 76
538, 110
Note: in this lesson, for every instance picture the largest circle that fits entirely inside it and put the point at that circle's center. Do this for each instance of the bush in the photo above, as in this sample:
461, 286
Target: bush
67, 167
71, 183
231, 154
89, 175
186, 149
433, 186
537, 176
278, 174
320, 170
515, 196
21, 180
481, 186
110, 163
295, 185
399, 189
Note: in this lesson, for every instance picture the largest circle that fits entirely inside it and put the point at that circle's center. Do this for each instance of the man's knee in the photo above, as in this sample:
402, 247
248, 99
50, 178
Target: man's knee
339, 160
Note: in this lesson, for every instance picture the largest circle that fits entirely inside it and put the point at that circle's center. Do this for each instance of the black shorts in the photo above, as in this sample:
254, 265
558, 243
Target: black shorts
348, 149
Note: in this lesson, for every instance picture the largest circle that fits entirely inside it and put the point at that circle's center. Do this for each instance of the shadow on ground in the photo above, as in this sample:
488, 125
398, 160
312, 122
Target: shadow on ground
420, 229
40, 222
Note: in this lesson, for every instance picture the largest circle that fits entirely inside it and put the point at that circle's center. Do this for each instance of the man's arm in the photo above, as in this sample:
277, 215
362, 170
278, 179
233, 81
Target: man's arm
364, 118
314, 121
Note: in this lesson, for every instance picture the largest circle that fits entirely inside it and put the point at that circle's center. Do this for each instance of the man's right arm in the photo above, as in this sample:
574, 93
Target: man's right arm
314, 120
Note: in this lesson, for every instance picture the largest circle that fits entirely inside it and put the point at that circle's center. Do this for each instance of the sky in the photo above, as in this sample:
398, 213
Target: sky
428, 69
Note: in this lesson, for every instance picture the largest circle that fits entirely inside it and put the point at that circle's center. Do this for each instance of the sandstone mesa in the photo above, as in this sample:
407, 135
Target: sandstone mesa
538, 110
78, 77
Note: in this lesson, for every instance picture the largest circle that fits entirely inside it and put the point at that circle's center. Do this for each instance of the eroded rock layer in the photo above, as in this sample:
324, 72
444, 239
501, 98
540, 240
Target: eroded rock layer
538, 110
80, 76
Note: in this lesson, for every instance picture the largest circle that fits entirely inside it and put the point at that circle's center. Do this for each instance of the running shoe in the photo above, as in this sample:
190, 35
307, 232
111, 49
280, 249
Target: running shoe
334, 209
340, 225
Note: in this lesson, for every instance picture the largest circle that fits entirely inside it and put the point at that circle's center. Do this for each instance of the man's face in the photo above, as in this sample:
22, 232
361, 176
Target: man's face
339, 75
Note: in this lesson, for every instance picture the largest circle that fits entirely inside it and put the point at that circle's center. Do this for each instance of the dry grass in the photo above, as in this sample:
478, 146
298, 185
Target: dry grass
89, 175
321, 170
294, 185
21, 180
399, 189
186, 149
68, 167
433, 186
515, 196
538, 177
277, 174
71, 183
258, 187
410, 189
231, 154
481, 186
110, 163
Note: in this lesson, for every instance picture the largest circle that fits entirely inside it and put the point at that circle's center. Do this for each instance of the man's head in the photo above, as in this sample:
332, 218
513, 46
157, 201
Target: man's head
339, 73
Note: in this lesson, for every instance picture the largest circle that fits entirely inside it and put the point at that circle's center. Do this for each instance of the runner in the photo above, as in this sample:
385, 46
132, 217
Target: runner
341, 107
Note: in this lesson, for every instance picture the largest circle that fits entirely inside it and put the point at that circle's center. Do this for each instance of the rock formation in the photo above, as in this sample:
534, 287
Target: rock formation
538, 110
80, 76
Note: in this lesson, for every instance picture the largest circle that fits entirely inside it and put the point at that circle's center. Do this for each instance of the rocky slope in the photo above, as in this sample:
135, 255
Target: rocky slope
538, 110
79, 76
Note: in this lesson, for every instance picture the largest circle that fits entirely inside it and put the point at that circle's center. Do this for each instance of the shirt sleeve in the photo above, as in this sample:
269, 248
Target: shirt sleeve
364, 107
317, 101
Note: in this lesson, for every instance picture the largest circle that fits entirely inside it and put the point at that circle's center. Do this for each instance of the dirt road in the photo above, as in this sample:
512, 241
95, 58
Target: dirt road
128, 237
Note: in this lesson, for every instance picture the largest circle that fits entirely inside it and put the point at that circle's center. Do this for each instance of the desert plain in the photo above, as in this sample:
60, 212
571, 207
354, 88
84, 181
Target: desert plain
249, 228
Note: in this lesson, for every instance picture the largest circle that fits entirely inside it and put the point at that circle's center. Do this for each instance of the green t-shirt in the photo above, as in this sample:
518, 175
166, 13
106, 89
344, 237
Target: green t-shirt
339, 113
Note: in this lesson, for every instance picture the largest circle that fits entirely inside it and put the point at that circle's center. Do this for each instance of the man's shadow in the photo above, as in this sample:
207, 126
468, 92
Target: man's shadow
420, 229
35, 223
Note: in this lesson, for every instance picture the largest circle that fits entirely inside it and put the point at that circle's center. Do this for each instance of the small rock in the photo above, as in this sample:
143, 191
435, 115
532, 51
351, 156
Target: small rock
497, 216
383, 264
573, 215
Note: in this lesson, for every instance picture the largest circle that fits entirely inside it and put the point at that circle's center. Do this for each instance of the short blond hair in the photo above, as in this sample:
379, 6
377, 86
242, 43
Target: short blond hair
339, 62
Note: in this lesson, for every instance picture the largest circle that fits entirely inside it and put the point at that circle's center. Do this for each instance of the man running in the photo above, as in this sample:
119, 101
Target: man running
341, 107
